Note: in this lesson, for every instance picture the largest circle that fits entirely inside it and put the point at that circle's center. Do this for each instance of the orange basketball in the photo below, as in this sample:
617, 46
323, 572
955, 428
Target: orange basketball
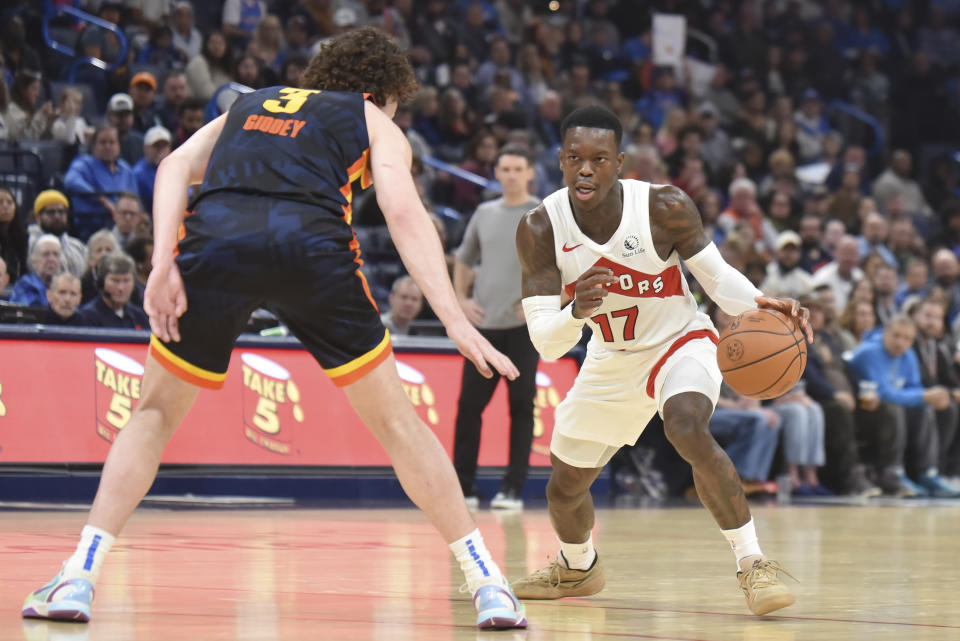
762, 354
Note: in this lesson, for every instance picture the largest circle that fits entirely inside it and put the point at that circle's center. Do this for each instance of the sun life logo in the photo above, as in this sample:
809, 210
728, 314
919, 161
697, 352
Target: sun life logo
632, 244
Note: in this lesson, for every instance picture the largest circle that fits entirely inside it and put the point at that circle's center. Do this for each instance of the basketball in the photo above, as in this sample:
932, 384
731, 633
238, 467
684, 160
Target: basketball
762, 354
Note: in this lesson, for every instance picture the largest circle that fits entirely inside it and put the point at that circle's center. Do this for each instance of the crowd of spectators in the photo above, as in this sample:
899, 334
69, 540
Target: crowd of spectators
818, 138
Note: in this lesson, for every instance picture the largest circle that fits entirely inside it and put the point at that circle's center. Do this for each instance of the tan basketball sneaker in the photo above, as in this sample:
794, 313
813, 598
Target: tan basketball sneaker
557, 581
763, 589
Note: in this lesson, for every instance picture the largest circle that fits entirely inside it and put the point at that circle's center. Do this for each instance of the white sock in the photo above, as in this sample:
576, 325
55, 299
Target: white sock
743, 540
475, 561
89, 555
579, 556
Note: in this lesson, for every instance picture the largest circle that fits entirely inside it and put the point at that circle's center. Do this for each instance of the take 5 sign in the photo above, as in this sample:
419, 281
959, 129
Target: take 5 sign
65, 402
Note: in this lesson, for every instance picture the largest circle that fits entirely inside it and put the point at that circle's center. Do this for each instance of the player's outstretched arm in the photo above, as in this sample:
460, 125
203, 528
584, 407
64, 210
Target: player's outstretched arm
416, 240
553, 328
677, 223
164, 299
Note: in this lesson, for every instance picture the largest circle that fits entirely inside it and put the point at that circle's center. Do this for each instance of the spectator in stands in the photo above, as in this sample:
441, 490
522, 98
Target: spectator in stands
212, 69
480, 156
812, 126
159, 52
143, 91
25, 119
946, 276
140, 249
743, 207
191, 119
405, 302
186, 38
898, 412
175, 92
292, 68
715, 147
827, 383
31, 288
813, 254
120, 116
240, 19
936, 357
115, 285
916, 282
100, 244
843, 271
897, 179
52, 211
785, 276
95, 179
156, 146
857, 322
267, 45
802, 426
885, 283
70, 128
63, 298
298, 37
874, 232
5, 289
438, 34
13, 236
126, 215
247, 71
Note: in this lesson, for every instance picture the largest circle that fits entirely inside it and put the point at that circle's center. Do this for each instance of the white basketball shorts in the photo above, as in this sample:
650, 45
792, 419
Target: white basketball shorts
617, 393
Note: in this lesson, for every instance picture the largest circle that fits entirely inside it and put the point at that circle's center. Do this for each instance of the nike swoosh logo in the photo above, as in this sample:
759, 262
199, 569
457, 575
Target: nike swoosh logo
570, 249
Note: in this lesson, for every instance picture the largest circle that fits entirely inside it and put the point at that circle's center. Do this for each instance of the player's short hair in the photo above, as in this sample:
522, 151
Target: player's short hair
593, 117
364, 61
516, 150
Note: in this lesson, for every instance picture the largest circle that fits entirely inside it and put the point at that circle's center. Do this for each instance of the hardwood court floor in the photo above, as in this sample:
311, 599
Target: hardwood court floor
868, 573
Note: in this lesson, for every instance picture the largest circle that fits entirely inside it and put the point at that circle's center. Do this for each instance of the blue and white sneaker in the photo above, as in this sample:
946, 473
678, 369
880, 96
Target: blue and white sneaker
935, 485
498, 608
60, 600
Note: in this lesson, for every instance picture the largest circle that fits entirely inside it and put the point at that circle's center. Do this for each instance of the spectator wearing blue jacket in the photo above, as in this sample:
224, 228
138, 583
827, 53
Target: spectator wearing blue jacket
31, 288
156, 147
95, 179
901, 408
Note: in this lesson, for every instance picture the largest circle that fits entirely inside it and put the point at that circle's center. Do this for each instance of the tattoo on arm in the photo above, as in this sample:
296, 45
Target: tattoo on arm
676, 222
538, 259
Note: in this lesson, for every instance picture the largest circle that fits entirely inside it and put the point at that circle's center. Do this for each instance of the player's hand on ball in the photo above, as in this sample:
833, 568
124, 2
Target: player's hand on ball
788, 307
591, 289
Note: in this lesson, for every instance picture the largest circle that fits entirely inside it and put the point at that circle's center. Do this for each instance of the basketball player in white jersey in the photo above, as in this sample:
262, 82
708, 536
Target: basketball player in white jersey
614, 247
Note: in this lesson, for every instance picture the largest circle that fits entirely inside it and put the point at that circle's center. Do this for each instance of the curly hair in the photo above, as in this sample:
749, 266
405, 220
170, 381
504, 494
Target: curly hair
365, 61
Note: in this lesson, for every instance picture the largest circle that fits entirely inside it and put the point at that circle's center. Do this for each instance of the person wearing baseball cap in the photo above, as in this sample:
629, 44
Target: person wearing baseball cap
785, 277
120, 115
156, 146
52, 211
143, 90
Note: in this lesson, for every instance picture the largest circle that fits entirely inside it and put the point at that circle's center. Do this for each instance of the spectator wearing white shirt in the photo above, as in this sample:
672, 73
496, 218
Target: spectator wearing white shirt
841, 274
785, 277
186, 38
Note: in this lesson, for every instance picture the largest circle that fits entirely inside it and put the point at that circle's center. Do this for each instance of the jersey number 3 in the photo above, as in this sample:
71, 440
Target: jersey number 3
291, 102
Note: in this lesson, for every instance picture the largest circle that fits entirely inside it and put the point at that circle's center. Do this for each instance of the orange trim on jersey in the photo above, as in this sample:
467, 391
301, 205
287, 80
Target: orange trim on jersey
677, 344
184, 370
355, 248
181, 234
360, 169
362, 365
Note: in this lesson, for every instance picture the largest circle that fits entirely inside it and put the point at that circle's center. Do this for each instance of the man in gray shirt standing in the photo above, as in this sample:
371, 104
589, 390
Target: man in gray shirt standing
486, 277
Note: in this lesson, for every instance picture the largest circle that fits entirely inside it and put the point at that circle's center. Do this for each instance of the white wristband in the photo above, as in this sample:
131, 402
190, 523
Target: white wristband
553, 331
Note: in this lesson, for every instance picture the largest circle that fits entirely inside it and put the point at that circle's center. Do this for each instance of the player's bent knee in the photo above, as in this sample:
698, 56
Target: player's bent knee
568, 483
686, 421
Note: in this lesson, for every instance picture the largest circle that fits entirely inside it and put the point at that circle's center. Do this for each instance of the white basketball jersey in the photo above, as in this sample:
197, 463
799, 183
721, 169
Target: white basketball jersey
650, 303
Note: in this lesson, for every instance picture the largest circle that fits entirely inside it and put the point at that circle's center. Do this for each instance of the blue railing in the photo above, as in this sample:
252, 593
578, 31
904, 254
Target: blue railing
50, 11
865, 118
471, 177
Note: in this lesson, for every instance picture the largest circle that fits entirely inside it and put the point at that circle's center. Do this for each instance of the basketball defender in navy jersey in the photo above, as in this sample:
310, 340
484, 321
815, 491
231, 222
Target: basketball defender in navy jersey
271, 224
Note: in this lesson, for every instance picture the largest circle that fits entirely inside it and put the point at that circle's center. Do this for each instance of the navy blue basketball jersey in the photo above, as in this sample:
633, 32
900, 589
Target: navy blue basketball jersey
301, 145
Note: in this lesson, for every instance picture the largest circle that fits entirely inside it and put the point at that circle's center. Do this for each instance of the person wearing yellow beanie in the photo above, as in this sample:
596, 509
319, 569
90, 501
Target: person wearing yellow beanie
52, 211
50, 197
